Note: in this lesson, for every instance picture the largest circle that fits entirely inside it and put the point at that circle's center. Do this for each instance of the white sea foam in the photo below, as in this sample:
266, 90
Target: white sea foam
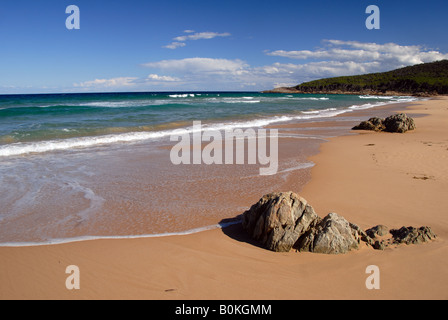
301, 166
376, 97
365, 106
238, 100
22, 148
391, 98
90, 238
324, 111
241, 101
183, 95
311, 112
313, 98
84, 142
126, 103
405, 99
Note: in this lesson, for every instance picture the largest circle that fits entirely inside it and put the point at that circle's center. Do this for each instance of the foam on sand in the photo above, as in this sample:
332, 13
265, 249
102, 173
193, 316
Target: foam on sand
90, 238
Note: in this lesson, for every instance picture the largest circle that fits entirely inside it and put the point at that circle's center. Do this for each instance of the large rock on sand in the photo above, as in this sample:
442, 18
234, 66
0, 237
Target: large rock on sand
278, 220
397, 123
332, 235
373, 124
282, 221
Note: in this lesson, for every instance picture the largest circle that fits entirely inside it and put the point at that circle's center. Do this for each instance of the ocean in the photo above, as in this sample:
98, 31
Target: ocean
78, 166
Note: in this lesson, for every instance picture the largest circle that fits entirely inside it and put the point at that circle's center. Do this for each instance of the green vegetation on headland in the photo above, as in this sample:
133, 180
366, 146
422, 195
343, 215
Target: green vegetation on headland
425, 79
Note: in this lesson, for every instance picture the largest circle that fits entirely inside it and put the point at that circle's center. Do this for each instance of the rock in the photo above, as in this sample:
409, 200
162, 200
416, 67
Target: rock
282, 221
399, 123
277, 220
374, 124
380, 245
332, 235
362, 234
379, 230
411, 235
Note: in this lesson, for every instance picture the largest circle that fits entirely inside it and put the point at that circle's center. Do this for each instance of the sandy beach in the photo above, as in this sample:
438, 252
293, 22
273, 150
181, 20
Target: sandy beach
367, 177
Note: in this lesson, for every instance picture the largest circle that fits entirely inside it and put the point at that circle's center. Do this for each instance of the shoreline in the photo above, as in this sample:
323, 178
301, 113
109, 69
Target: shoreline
53, 242
225, 264
297, 141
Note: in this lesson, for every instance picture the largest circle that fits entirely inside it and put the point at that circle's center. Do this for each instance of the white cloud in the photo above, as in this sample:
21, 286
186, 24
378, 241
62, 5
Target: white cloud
335, 54
201, 66
175, 45
201, 35
107, 83
336, 58
388, 56
180, 40
156, 77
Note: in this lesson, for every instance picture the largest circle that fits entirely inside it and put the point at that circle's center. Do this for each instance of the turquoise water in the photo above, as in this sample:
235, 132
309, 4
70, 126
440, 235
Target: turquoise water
42, 123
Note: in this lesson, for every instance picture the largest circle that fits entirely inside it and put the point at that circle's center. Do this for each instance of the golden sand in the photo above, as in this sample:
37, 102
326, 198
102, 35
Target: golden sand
369, 178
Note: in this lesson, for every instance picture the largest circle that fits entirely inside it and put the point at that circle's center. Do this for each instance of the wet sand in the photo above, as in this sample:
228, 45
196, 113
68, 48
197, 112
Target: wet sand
369, 178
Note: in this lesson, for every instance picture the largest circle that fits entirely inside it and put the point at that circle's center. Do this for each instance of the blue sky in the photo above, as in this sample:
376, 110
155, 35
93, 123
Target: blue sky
189, 45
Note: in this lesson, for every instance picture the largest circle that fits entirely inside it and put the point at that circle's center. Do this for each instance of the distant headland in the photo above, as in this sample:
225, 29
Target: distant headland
427, 79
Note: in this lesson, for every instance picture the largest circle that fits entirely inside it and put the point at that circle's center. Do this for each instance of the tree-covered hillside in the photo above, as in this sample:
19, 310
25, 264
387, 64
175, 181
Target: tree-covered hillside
428, 78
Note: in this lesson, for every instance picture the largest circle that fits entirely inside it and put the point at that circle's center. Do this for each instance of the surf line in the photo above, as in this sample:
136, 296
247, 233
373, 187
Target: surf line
189, 150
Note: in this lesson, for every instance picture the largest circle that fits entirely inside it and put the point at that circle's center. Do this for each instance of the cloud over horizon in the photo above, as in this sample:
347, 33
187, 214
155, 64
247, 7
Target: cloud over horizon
336, 58
107, 83
389, 55
199, 65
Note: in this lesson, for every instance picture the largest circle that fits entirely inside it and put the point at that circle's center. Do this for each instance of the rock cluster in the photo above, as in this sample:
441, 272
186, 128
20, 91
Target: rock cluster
397, 123
285, 221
